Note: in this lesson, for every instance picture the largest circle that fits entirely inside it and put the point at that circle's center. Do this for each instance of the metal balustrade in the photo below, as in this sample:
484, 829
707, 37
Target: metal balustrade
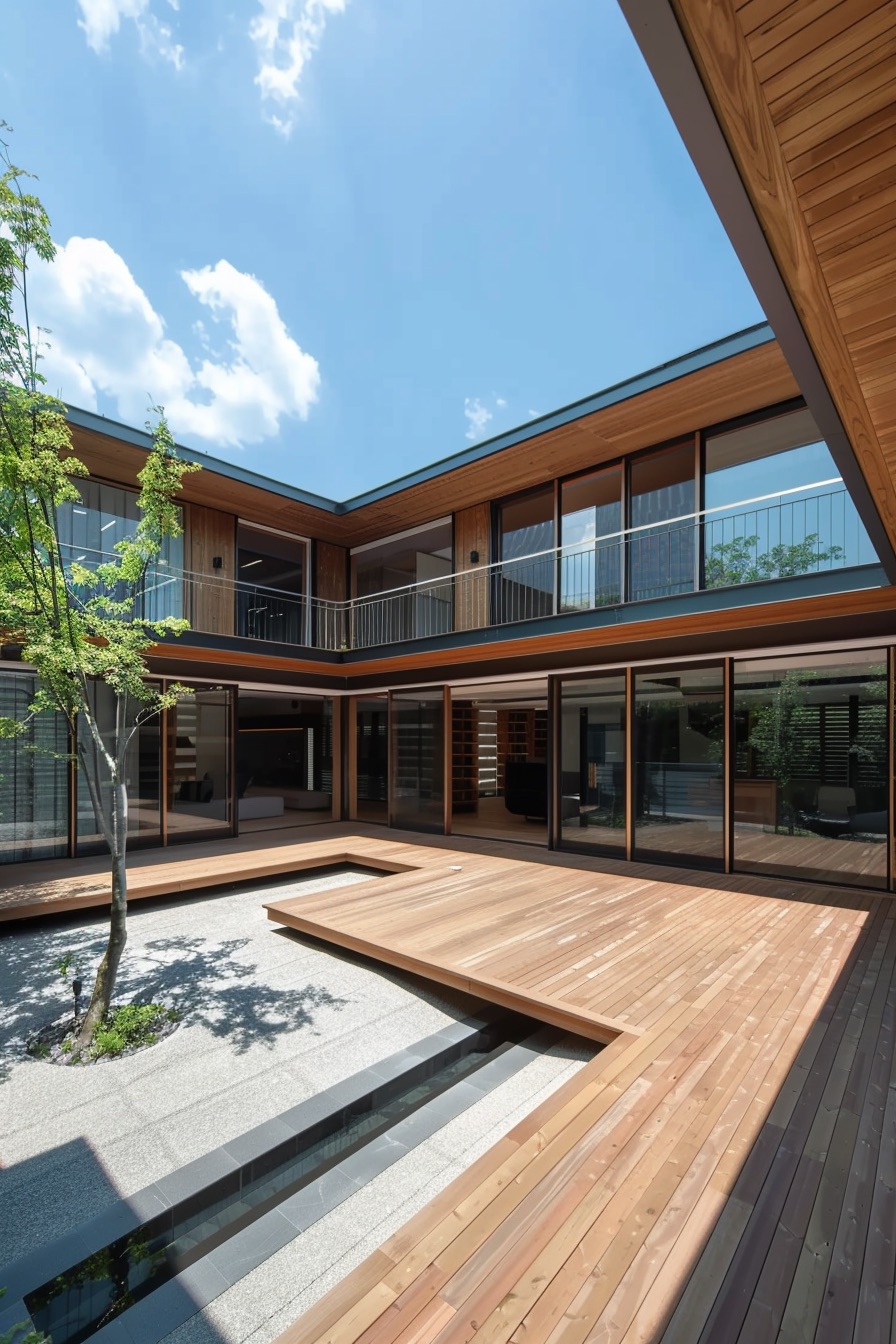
801, 531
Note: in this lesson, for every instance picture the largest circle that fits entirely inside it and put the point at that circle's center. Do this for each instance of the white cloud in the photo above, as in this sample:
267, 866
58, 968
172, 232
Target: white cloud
107, 339
478, 416
286, 34
101, 20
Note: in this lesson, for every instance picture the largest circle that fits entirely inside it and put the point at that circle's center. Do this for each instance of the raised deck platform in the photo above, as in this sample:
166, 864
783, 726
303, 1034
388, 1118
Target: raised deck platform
725, 1169
722, 1169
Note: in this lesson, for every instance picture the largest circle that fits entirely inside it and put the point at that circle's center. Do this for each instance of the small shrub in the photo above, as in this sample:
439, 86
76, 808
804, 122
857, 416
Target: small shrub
130, 1026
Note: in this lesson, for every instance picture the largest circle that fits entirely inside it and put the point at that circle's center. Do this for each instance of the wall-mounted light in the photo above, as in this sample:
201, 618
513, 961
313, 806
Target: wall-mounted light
217, 562
474, 557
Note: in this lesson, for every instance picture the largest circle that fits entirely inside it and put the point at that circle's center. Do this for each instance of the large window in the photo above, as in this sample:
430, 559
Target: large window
33, 777
270, 588
404, 586
418, 760
108, 513
370, 796
662, 501
592, 764
525, 582
198, 755
811, 766
679, 771
801, 518
590, 527
142, 774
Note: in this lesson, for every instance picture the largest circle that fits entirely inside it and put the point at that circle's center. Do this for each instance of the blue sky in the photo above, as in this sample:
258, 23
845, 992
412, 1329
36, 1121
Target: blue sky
339, 239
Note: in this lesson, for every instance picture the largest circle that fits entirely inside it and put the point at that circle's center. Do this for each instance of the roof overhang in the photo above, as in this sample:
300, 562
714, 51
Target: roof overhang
730, 104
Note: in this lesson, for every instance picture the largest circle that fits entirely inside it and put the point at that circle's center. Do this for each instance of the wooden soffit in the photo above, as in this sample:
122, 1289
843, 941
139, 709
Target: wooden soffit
748, 381
803, 91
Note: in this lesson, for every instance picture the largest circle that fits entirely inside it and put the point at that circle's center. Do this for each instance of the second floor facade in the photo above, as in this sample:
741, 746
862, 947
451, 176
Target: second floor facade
701, 485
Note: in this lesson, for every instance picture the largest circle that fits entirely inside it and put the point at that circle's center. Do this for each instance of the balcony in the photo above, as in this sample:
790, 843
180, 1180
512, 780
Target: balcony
806, 531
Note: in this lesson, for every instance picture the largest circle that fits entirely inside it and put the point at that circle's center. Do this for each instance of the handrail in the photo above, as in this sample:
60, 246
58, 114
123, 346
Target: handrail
631, 564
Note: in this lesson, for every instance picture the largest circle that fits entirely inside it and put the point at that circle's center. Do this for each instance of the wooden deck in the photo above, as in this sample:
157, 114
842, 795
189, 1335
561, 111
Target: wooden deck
723, 1170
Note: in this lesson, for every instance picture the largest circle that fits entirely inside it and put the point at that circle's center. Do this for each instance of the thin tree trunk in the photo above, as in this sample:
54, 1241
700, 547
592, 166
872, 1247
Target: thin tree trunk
116, 837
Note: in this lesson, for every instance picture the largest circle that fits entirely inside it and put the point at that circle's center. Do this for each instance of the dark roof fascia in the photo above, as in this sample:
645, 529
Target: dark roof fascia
714, 353
101, 424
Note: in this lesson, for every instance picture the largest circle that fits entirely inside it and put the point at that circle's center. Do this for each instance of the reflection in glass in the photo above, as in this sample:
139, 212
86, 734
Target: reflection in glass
679, 775
284, 767
592, 764
525, 582
591, 520
372, 759
418, 760
815, 527
270, 588
143, 775
811, 767
107, 514
661, 555
199, 763
404, 581
33, 778
499, 761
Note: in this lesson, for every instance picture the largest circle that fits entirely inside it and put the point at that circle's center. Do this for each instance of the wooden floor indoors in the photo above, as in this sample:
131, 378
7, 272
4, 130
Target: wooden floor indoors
723, 1170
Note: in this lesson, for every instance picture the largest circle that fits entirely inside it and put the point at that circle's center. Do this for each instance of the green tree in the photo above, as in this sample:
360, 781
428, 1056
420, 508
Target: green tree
735, 561
76, 625
777, 730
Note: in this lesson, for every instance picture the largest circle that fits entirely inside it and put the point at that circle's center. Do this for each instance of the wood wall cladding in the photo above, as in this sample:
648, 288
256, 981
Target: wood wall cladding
743, 383
472, 534
329, 577
211, 602
746, 382
804, 95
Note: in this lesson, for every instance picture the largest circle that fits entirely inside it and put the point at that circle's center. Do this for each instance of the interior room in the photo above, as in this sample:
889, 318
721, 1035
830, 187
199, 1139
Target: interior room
499, 737
284, 766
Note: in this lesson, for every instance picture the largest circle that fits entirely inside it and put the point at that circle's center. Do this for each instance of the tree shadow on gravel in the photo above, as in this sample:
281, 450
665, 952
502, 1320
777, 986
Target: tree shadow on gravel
206, 980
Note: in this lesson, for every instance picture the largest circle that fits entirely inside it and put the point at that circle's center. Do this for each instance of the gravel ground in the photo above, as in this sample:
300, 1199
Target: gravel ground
269, 1020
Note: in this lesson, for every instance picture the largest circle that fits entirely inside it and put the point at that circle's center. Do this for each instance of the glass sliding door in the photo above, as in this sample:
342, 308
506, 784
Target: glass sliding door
403, 586
33, 777
525, 579
812, 525
499, 761
370, 799
143, 774
590, 526
679, 774
271, 586
198, 751
592, 765
418, 760
812, 766
663, 498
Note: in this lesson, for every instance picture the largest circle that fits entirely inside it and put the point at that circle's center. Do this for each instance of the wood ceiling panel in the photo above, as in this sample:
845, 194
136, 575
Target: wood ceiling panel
843, 142
839, 176
804, 96
812, 48
845, 237
747, 382
859, 187
764, 20
830, 116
